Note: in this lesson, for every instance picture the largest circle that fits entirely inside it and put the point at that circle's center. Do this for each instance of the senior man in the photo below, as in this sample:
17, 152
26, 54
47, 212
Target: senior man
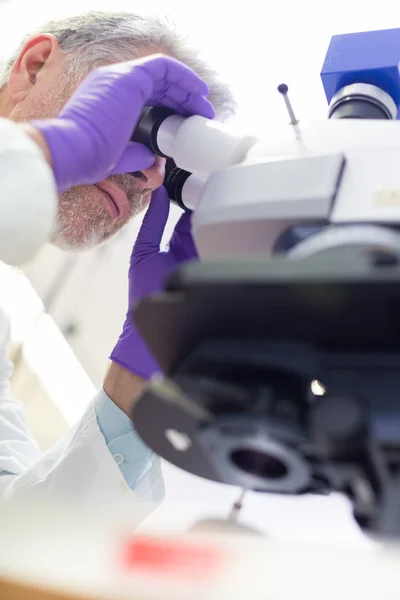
101, 458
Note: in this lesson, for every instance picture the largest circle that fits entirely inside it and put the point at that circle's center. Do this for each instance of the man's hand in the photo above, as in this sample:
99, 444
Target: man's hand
90, 139
123, 387
39, 139
132, 362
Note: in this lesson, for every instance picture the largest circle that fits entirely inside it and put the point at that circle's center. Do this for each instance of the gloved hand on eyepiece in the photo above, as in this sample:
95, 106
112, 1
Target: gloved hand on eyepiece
90, 139
148, 271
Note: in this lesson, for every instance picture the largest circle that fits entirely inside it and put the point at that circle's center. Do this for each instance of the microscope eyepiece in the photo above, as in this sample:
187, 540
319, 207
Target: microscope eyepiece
174, 181
183, 187
146, 130
197, 147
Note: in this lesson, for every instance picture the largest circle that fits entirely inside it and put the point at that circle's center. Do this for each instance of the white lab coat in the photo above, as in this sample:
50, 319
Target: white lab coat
28, 201
79, 467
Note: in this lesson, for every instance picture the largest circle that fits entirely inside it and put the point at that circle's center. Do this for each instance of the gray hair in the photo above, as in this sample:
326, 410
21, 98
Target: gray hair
94, 38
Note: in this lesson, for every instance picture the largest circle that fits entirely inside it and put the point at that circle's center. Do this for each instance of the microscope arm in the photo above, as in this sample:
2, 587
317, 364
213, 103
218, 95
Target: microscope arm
340, 172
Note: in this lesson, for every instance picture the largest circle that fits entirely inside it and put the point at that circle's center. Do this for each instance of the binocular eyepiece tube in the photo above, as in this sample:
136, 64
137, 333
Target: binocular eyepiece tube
195, 147
183, 187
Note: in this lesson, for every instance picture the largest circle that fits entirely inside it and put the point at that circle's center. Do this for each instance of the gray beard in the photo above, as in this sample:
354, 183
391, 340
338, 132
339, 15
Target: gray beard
78, 230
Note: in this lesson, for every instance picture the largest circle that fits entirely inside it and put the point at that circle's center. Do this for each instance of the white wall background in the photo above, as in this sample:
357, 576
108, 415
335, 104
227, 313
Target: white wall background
256, 45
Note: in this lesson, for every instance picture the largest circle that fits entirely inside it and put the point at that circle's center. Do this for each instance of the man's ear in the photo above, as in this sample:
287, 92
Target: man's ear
38, 53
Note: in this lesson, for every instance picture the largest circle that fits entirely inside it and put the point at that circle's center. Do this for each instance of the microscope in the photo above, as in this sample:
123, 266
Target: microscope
280, 349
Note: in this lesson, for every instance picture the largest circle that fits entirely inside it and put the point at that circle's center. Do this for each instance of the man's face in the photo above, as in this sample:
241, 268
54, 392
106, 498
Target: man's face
89, 214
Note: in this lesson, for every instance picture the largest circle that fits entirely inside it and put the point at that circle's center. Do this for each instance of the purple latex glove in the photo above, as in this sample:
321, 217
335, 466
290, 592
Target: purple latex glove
149, 269
90, 139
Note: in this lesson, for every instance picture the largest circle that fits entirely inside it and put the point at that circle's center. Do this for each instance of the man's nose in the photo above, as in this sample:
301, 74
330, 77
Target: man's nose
151, 179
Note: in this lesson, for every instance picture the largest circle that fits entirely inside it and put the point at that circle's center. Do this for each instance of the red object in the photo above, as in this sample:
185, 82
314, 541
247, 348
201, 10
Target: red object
167, 557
